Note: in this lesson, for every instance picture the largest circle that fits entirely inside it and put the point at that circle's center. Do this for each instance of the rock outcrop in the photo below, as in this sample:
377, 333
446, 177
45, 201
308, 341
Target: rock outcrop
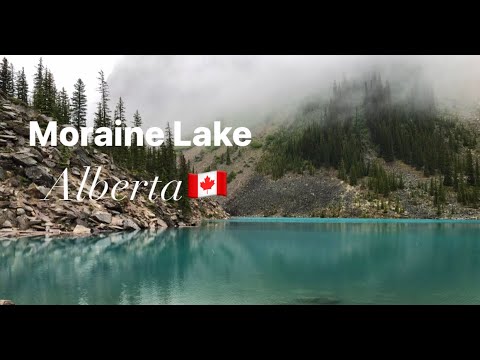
27, 173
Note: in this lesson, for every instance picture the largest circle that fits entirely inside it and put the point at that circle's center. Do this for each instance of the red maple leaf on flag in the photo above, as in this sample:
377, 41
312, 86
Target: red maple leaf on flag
207, 184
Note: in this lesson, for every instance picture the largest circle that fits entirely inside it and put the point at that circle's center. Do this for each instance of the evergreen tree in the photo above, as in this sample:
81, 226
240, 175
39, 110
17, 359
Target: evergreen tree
11, 81
22, 86
469, 170
49, 93
120, 114
169, 155
63, 107
183, 171
38, 93
5, 77
448, 179
137, 119
228, 161
138, 152
102, 116
477, 174
121, 153
78, 113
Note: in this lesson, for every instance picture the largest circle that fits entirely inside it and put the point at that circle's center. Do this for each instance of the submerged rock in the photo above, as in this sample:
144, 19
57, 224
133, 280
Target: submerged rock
6, 302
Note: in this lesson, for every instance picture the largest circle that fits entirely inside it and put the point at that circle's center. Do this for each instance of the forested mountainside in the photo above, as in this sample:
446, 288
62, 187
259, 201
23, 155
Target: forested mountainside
373, 150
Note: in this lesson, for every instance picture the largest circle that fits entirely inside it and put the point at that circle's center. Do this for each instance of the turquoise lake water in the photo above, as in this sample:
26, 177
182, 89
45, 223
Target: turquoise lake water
252, 261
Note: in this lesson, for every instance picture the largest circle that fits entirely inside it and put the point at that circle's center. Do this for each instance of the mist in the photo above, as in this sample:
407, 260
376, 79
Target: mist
245, 89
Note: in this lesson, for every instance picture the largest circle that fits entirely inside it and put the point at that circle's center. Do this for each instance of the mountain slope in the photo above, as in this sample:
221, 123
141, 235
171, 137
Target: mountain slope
28, 173
366, 153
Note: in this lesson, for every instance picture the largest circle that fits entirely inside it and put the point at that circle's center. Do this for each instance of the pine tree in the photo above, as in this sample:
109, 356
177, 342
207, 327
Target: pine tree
137, 119
120, 114
11, 81
183, 170
469, 171
448, 180
50, 94
102, 116
138, 152
169, 157
120, 153
22, 87
5, 77
63, 107
228, 161
477, 174
78, 113
38, 93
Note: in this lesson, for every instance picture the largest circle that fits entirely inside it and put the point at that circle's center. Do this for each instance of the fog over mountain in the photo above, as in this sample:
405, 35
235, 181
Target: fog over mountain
200, 89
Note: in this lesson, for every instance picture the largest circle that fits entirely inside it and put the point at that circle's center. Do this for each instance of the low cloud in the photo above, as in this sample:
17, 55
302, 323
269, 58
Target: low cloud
200, 89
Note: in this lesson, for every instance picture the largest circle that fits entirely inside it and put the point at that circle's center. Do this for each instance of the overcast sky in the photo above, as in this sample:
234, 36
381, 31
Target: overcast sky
198, 89
67, 69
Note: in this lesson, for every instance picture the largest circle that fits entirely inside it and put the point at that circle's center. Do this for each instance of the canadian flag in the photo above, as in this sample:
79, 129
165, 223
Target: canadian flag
207, 184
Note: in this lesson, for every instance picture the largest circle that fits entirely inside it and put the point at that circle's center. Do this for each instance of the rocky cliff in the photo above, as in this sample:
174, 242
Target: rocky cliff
27, 173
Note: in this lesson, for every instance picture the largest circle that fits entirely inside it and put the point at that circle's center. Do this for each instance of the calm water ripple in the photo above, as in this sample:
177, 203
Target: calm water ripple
250, 261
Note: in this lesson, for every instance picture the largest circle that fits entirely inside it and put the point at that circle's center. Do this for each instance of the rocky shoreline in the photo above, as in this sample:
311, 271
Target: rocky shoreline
27, 173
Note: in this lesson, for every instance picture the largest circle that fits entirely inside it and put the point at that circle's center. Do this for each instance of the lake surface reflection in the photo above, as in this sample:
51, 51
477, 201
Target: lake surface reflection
251, 262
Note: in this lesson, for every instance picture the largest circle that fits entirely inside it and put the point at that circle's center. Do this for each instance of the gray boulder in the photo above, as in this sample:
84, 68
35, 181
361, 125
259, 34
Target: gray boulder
36, 154
38, 192
23, 222
81, 157
24, 159
103, 217
129, 224
80, 229
40, 175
